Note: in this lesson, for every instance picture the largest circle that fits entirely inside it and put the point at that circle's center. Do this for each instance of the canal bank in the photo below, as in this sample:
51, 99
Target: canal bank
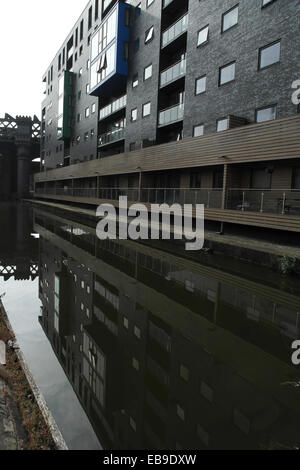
25, 420
275, 253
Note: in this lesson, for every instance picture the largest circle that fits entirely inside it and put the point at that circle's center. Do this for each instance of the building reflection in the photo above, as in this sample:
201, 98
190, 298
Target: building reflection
166, 353
18, 243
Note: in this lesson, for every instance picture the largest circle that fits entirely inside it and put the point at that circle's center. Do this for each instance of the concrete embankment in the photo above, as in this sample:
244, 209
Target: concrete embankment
25, 420
280, 256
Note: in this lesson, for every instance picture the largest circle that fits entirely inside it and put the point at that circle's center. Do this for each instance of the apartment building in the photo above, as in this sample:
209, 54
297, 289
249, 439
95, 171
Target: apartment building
180, 101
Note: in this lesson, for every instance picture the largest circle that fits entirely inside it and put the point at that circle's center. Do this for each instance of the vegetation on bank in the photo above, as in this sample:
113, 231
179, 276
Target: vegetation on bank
38, 434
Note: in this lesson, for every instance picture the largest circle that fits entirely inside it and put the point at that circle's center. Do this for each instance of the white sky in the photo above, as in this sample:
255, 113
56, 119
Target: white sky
31, 32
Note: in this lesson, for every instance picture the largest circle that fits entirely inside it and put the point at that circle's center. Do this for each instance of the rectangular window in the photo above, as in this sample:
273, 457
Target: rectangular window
134, 115
222, 125
296, 178
198, 130
203, 35
135, 80
81, 30
261, 178
200, 85
266, 114
227, 74
230, 18
149, 35
269, 55
87, 112
146, 109
90, 17
148, 72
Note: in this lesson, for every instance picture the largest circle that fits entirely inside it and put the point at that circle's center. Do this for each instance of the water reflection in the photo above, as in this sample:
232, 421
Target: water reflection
166, 353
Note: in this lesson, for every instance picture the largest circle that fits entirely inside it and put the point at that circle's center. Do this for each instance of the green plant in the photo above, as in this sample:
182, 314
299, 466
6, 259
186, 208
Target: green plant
287, 265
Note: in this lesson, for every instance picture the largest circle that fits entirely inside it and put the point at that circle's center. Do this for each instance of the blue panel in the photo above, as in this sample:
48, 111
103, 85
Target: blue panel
117, 73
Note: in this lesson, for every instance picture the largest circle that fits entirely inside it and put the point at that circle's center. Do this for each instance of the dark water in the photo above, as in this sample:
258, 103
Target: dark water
147, 350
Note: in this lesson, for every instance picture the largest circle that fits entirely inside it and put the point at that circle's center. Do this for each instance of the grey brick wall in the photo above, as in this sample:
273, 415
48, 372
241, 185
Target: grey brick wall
251, 89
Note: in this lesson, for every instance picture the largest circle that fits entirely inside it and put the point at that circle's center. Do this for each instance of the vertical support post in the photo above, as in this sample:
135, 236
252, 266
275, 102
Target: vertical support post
225, 185
283, 203
262, 202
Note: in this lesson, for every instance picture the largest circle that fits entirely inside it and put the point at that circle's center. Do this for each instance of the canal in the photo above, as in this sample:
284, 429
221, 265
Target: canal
134, 347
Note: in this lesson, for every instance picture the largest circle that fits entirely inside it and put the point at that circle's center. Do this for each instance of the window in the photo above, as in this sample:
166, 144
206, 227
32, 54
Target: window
261, 178
269, 55
149, 35
90, 17
134, 115
87, 88
148, 72
137, 332
135, 80
93, 108
180, 412
195, 180
206, 392
266, 114
296, 178
200, 85
86, 136
203, 36
230, 18
80, 73
218, 179
87, 112
198, 130
149, 2
146, 109
267, 2
222, 125
184, 373
227, 74
126, 323
203, 435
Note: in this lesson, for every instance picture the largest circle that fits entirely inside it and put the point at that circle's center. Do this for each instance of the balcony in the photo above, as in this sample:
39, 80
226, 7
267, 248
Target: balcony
173, 73
171, 115
113, 107
176, 30
112, 136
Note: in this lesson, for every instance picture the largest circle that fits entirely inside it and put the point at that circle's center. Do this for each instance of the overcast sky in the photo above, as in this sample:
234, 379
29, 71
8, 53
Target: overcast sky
31, 32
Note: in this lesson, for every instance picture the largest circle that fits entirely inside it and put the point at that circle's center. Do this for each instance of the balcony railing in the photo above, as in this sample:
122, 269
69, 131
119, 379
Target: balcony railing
173, 73
264, 201
113, 107
170, 115
112, 136
282, 202
175, 30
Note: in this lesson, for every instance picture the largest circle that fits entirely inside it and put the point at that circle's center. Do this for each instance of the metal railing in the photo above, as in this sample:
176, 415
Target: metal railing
174, 31
173, 73
264, 201
113, 107
284, 202
112, 136
209, 197
172, 114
